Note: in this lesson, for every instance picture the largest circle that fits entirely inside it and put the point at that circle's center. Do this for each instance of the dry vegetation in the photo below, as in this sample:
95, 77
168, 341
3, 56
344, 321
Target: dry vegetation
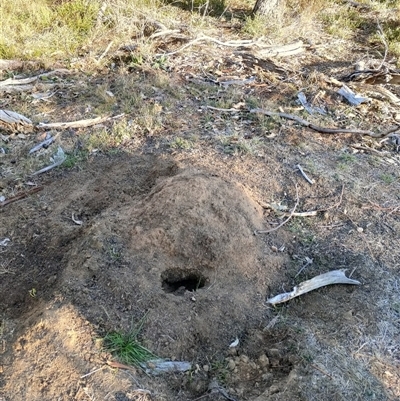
183, 90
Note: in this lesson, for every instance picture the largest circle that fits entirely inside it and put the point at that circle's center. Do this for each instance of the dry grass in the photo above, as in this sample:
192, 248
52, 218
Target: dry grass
80, 31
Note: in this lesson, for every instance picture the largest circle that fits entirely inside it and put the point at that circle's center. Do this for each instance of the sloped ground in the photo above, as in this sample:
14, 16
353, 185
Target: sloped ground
169, 197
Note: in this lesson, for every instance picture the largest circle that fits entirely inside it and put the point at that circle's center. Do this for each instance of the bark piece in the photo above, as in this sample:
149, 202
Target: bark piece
332, 277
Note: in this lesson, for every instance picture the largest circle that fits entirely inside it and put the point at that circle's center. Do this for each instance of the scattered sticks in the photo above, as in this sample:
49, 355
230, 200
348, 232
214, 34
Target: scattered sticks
283, 222
314, 127
264, 49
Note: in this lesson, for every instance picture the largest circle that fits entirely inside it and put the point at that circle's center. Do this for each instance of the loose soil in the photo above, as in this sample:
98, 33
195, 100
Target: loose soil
168, 237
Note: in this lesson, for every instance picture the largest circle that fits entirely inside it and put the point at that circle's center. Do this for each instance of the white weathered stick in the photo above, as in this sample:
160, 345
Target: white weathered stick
58, 159
24, 81
283, 222
11, 117
80, 123
304, 174
333, 277
74, 124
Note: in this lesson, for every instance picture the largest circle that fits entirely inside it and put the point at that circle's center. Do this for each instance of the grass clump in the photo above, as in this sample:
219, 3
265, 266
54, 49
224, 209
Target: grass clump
127, 347
342, 22
35, 29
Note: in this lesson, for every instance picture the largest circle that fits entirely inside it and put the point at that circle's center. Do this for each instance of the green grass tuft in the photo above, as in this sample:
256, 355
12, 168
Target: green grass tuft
127, 347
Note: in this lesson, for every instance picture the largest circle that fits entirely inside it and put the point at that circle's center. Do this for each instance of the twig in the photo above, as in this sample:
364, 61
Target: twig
21, 196
93, 371
285, 221
117, 365
337, 204
322, 371
309, 261
382, 37
304, 174
368, 149
105, 52
390, 209
232, 110
164, 33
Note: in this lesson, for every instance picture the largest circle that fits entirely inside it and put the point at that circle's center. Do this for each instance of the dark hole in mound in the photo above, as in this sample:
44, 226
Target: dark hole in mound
177, 281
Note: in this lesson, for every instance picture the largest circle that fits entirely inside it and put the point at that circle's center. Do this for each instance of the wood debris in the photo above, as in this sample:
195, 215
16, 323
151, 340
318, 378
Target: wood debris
332, 277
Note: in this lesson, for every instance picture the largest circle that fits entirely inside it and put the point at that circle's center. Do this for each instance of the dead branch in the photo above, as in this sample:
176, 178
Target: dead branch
15, 122
79, 123
323, 130
310, 213
337, 204
232, 110
390, 209
21, 196
368, 149
264, 50
285, 221
332, 277
25, 81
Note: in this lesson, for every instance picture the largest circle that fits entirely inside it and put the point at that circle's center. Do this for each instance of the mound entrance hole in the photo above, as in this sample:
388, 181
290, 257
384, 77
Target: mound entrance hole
177, 281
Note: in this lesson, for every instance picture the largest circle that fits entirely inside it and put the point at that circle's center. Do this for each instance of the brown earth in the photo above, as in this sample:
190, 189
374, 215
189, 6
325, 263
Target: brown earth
149, 221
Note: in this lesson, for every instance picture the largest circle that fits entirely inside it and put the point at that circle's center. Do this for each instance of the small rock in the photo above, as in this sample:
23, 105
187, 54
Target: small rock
206, 368
274, 389
231, 364
244, 358
263, 360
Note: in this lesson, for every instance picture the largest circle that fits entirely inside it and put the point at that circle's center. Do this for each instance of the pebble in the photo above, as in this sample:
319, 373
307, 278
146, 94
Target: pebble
231, 364
263, 360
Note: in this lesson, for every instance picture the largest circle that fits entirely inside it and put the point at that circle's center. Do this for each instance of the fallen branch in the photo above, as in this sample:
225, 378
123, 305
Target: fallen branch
74, 124
232, 110
390, 209
283, 222
14, 122
24, 81
333, 277
323, 130
368, 149
21, 196
264, 50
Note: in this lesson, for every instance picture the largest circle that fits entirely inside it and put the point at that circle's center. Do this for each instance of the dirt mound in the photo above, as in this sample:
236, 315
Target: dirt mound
176, 244
187, 249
